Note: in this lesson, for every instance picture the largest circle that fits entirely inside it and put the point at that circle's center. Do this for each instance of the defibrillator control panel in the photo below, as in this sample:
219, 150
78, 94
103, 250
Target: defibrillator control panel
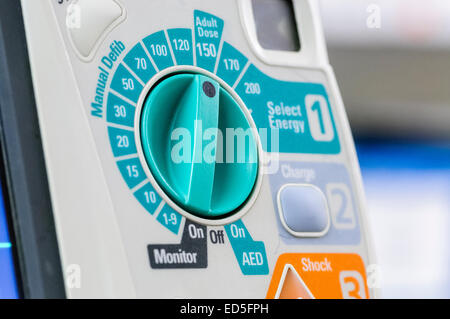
186, 159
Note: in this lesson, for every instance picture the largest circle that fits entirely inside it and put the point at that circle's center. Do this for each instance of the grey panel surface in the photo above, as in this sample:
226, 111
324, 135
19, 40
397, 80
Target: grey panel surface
25, 174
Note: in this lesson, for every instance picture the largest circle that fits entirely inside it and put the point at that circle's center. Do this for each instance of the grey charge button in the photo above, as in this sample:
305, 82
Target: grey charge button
89, 21
303, 210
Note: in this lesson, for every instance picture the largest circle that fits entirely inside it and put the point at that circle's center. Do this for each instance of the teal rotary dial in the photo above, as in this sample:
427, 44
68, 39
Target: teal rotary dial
199, 145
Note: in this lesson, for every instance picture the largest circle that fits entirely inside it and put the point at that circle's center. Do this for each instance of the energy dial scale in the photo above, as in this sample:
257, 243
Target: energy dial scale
197, 149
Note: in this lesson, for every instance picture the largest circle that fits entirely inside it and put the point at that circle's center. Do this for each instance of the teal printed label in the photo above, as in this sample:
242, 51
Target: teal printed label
251, 255
300, 113
139, 62
158, 48
120, 112
231, 64
181, 42
122, 141
148, 198
107, 63
208, 34
132, 171
170, 219
126, 85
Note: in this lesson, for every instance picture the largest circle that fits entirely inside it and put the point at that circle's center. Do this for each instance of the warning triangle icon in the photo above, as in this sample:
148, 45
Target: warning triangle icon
292, 286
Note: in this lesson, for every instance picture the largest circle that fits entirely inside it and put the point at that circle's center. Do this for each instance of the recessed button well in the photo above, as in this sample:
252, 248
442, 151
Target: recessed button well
87, 21
303, 210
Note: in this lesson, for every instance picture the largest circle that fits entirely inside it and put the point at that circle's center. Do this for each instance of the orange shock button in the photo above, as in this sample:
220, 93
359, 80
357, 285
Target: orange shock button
322, 276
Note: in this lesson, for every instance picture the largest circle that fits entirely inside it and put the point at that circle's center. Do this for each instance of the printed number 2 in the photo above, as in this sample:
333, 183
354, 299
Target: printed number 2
341, 207
319, 118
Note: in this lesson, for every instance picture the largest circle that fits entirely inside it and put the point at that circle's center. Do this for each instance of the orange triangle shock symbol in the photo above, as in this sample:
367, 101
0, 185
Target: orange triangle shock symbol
292, 286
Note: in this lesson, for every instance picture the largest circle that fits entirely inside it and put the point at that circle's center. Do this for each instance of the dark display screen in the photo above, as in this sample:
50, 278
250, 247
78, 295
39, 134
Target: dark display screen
8, 282
276, 26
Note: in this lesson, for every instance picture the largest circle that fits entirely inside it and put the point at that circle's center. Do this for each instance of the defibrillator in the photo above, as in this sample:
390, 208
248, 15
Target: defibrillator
197, 149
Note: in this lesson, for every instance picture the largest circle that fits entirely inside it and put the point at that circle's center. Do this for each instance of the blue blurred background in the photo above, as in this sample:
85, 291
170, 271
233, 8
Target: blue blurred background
407, 186
395, 81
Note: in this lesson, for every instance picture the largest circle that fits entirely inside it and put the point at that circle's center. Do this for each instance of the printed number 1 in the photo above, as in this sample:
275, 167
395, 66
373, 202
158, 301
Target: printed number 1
319, 118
